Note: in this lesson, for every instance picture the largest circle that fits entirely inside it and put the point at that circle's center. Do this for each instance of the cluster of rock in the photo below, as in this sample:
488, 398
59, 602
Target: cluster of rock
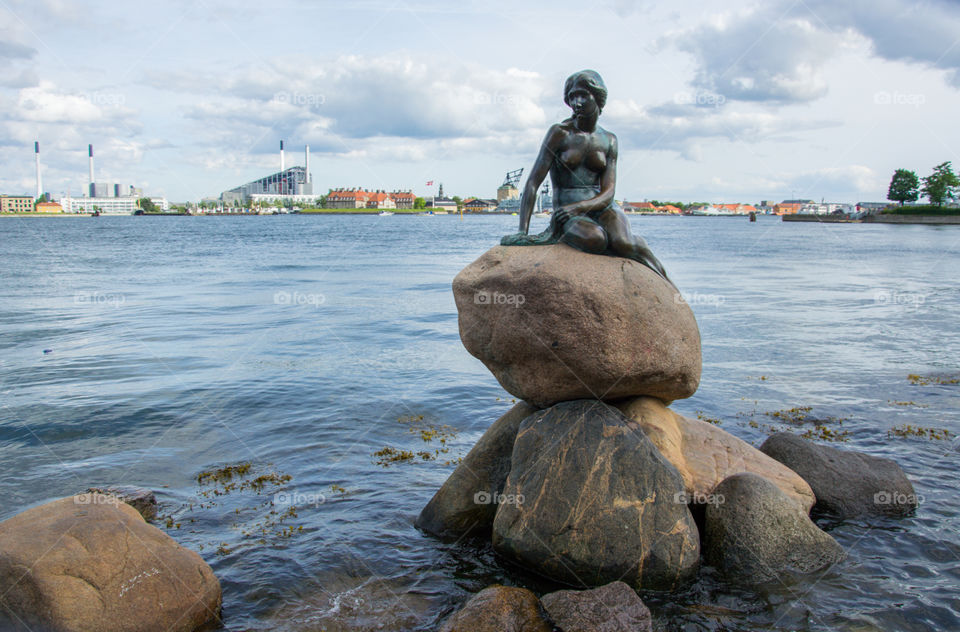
91, 562
591, 478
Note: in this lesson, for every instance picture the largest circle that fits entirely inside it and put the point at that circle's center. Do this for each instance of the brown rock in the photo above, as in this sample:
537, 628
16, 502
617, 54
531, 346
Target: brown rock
705, 454
756, 533
555, 324
590, 500
611, 608
93, 565
465, 502
499, 609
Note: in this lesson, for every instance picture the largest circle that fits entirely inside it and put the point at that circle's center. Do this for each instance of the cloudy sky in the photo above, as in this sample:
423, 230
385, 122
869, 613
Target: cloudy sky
720, 101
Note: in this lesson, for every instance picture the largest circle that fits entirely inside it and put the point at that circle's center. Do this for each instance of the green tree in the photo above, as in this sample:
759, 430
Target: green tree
147, 205
941, 185
459, 201
419, 203
903, 186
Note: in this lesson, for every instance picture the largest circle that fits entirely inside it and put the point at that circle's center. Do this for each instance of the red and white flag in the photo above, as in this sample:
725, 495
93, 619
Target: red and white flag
430, 184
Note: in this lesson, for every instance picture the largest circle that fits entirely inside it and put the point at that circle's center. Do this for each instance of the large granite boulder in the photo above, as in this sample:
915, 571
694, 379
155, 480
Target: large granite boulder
705, 454
140, 498
611, 608
467, 501
847, 483
499, 609
555, 324
756, 533
91, 563
594, 501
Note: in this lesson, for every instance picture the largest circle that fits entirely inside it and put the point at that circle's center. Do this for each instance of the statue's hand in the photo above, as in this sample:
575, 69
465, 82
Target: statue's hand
562, 214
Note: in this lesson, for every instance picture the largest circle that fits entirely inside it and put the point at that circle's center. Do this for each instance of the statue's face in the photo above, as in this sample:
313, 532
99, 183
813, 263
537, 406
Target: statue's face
581, 101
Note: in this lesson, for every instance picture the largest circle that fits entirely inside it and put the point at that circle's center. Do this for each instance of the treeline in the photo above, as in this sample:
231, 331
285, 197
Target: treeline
939, 187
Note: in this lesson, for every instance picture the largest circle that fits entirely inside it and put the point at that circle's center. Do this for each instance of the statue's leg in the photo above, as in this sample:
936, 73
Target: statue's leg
624, 243
584, 234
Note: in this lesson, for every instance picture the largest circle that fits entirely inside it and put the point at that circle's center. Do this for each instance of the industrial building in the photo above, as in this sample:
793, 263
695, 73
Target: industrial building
293, 185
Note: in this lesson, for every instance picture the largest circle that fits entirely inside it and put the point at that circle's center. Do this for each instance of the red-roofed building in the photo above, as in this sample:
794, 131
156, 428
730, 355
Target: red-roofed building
379, 199
347, 198
403, 199
638, 207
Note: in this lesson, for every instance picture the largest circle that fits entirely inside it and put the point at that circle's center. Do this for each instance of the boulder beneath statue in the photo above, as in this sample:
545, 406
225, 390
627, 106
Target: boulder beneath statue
555, 324
467, 501
705, 454
90, 562
847, 483
756, 533
590, 500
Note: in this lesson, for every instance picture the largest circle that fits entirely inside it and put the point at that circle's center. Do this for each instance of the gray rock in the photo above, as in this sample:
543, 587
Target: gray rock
465, 502
499, 609
590, 500
846, 483
141, 499
611, 608
555, 324
755, 532
91, 563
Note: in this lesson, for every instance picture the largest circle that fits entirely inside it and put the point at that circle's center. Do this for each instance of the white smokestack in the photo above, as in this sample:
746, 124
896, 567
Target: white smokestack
36, 151
306, 161
90, 152
281, 156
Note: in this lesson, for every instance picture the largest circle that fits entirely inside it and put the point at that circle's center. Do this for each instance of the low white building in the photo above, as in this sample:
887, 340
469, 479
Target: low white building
108, 205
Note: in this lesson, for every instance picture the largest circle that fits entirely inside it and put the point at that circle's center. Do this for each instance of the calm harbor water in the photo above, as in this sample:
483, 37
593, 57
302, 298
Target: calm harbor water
148, 350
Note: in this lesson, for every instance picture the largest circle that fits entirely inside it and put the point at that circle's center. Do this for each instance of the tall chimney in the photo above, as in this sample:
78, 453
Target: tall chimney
306, 162
92, 188
36, 151
281, 156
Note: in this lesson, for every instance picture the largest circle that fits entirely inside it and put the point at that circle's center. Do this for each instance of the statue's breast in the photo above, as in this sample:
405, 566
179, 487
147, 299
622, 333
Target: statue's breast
574, 158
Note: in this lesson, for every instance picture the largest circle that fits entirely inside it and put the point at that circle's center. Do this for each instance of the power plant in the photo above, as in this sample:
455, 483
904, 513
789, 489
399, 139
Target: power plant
287, 185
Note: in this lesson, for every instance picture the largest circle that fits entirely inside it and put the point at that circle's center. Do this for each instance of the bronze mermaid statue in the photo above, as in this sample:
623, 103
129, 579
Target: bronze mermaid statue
581, 158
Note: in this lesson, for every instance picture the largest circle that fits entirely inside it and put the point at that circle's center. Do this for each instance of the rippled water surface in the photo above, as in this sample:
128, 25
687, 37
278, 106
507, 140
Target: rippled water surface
148, 350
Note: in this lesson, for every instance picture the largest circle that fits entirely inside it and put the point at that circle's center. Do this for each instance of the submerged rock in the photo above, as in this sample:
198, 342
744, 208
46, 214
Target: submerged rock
467, 500
81, 564
554, 324
846, 483
141, 499
757, 533
594, 502
499, 609
611, 608
705, 454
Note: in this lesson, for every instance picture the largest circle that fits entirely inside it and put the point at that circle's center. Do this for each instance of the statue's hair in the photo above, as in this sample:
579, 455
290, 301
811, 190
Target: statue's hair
593, 82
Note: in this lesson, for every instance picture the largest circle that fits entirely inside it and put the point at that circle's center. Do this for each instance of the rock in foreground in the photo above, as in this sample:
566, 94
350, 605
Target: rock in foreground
555, 324
466, 503
76, 564
141, 499
847, 483
705, 454
594, 501
499, 609
611, 608
757, 533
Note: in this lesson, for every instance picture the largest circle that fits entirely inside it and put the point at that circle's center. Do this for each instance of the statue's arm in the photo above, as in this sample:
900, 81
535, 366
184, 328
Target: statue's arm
539, 172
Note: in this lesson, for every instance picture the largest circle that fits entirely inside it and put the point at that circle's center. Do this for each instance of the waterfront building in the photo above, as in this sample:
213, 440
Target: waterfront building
440, 202
403, 199
638, 207
49, 207
16, 204
126, 205
479, 205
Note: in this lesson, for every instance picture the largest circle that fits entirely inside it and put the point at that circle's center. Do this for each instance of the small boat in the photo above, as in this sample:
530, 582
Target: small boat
542, 214
384, 213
